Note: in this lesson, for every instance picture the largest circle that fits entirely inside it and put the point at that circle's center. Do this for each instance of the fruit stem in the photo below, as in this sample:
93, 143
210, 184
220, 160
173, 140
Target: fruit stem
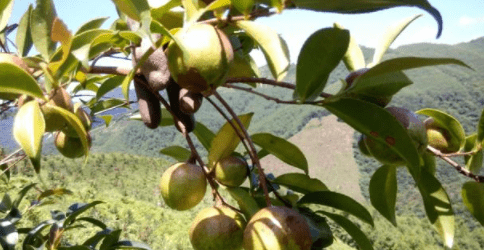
465, 172
252, 151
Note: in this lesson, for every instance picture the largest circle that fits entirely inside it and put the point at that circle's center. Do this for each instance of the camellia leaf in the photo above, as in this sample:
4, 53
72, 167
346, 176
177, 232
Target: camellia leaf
338, 201
274, 48
391, 34
319, 56
353, 58
176, 152
28, 130
473, 198
383, 192
447, 122
379, 124
77, 209
437, 206
480, 129
133, 8
244, 6
282, 149
217, 4
15, 80
204, 135
353, 230
226, 140
300, 183
107, 104
126, 244
246, 203
107, 119
6, 7
108, 85
365, 6
474, 161
41, 21
81, 44
23, 38
92, 24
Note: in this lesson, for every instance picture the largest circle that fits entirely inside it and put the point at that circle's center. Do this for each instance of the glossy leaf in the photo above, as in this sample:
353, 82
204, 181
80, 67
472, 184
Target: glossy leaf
23, 39
217, 4
6, 170
107, 104
6, 203
243, 66
274, 48
110, 240
437, 206
16, 80
383, 192
386, 84
93, 221
321, 233
390, 35
474, 161
353, 58
338, 201
28, 130
246, 203
319, 56
429, 164
353, 230
448, 122
91, 24
176, 152
473, 198
109, 85
365, 6
226, 140
282, 149
41, 21
81, 44
205, 136
21, 194
371, 120
56, 192
300, 183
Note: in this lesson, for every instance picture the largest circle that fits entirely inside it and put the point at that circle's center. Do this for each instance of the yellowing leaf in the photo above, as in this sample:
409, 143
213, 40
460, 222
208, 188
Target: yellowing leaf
15, 80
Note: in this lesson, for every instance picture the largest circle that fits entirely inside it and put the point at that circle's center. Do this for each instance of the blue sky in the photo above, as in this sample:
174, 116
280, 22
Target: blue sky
463, 21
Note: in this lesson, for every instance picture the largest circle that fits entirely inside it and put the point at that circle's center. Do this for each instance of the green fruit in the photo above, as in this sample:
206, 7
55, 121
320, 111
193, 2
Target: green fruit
85, 119
53, 120
277, 228
210, 56
416, 130
440, 138
231, 171
217, 228
183, 186
70, 147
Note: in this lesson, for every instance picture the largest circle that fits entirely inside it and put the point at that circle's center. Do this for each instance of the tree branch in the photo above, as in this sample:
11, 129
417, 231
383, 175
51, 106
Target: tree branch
456, 165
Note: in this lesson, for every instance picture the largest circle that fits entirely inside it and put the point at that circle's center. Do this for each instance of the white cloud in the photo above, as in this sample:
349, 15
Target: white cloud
468, 21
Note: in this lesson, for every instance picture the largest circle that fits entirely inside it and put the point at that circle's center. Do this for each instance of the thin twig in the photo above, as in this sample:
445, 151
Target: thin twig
4, 160
270, 98
252, 16
456, 165
108, 70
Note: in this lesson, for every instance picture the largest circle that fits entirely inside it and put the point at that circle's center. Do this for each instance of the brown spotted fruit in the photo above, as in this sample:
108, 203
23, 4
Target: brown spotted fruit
210, 55
183, 186
278, 228
415, 128
440, 138
217, 228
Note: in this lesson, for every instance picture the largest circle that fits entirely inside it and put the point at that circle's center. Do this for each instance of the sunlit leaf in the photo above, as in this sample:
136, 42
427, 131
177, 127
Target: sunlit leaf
282, 149
360, 238
319, 56
473, 198
107, 119
81, 44
108, 85
92, 24
107, 104
244, 6
176, 152
480, 129
28, 130
274, 48
6, 7
300, 183
41, 21
449, 123
23, 38
56, 192
474, 161
226, 140
246, 203
437, 206
338, 201
383, 192
353, 58
16, 80
133, 8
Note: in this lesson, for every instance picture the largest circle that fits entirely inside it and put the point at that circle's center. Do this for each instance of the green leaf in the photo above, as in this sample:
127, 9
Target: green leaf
92, 24
429, 163
108, 85
473, 198
23, 38
107, 104
448, 122
41, 22
226, 140
437, 206
353, 58
243, 66
246, 203
221, 3
300, 183
135, 9
474, 161
365, 6
353, 230
126, 244
319, 56
480, 129
93, 221
390, 35
177, 152
110, 240
383, 192
274, 48
16, 80
6, 7
282, 149
28, 130
338, 201
244, 6
321, 233
107, 119
81, 44
50, 192
6, 170
204, 135
77, 209
22, 193
370, 119
386, 84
